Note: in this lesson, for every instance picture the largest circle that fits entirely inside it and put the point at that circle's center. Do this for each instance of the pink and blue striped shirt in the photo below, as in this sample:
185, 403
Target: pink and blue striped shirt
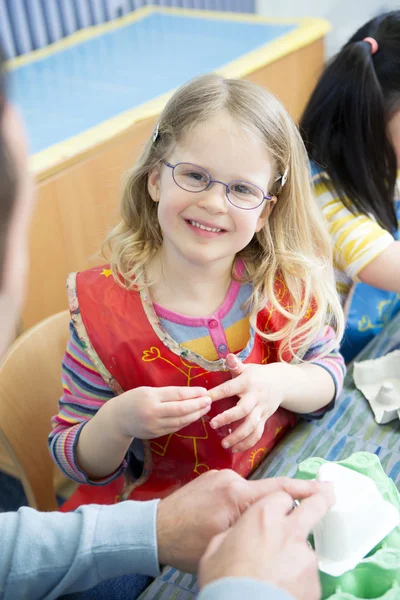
213, 337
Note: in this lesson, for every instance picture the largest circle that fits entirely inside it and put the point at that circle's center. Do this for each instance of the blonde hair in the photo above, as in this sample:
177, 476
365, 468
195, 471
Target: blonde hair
293, 247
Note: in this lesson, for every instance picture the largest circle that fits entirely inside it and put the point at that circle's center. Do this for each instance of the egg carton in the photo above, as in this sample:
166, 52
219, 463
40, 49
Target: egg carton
379, 381
378, 574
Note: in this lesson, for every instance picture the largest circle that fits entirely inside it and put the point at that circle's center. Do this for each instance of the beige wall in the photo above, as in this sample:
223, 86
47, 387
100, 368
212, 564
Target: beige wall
345, 16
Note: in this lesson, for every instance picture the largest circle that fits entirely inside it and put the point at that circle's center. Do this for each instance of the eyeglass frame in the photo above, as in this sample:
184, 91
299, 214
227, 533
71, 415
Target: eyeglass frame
211, 181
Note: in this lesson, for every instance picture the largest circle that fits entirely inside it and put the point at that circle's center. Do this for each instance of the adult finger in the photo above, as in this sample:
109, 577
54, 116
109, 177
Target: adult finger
233, 387
183, 407
240, 411
312, 510
215, 544
274, 506
244, 430
173, 393
298, 489
172, 424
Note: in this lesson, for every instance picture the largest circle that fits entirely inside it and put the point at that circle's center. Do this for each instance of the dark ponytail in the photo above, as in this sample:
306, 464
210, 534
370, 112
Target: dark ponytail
7, 174
344, 125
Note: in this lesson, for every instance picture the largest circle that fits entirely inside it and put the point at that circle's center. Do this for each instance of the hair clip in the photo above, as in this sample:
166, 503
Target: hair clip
285, 176
155, 134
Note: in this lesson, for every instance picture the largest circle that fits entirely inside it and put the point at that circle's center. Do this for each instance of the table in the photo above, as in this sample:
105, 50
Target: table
349, 428
92, 99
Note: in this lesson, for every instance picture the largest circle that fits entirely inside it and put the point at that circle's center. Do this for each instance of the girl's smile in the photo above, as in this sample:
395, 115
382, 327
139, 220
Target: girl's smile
204, 229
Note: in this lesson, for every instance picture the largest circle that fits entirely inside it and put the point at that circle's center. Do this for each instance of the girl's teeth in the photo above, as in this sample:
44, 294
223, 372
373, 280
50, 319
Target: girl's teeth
213, 229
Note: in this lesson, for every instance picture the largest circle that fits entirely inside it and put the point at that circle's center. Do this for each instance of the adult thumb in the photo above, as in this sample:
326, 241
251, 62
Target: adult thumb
215, 544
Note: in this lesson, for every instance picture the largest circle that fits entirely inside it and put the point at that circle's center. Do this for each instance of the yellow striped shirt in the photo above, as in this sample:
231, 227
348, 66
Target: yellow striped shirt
357, 239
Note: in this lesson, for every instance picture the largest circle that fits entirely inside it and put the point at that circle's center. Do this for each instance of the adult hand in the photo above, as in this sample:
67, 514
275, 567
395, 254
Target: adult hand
261, 391
150, 412
269, 543
189, 518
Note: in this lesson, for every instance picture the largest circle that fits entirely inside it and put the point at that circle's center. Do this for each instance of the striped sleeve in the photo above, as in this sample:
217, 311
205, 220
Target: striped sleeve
333, 363
84, 393
357, 239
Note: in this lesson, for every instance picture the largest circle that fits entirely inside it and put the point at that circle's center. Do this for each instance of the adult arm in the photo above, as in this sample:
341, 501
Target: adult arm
45, 555
237, 588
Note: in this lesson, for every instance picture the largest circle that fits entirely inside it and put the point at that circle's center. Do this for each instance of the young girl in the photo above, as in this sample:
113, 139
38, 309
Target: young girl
210, 328
351, 128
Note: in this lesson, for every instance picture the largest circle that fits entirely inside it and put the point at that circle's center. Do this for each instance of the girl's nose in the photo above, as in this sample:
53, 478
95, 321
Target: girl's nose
214, 199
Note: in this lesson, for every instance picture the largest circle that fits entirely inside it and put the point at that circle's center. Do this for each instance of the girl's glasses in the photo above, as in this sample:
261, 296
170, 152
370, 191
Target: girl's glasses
193, 178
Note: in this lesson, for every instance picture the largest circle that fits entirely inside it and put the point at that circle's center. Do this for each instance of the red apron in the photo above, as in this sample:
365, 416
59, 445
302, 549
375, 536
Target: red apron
128, 353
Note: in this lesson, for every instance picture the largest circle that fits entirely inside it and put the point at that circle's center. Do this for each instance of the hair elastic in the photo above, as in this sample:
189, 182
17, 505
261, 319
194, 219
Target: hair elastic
374, 44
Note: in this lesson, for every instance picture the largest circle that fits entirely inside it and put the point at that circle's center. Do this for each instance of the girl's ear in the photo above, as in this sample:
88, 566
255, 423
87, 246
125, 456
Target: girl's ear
153, 183
267, 210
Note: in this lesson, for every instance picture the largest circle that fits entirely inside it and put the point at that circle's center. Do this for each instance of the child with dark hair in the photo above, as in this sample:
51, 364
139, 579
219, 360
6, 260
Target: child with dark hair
351, 128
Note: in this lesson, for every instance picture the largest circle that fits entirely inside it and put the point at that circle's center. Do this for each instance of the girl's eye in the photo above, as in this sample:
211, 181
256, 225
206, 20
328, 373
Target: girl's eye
240, 188
196, 176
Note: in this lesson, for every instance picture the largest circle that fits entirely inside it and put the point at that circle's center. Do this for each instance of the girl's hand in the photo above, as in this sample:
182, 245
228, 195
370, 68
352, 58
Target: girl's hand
150, 412
261, 391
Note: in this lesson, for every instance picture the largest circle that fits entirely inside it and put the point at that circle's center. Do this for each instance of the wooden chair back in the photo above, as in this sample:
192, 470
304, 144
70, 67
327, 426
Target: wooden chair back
30, 387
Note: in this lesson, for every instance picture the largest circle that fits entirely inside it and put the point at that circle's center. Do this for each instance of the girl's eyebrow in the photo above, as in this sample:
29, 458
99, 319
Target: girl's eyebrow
245, 179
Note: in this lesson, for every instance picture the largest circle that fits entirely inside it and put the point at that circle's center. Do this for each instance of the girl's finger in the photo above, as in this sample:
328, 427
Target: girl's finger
235, 365
251, 439
183, 407
244, 430
173, 393
173, 424
240, 411
233, 387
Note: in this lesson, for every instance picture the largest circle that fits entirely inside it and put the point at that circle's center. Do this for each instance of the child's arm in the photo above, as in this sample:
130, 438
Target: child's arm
93, 429
303, 388
84, 393
335, 370
361, 247
144, 413
384, 270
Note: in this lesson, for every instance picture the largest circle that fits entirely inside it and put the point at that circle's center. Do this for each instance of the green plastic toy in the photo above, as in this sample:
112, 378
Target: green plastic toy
378, 575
